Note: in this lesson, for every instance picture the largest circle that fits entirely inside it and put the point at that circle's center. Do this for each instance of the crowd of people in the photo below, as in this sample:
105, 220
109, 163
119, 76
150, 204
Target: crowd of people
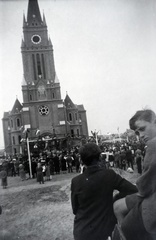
121, 155
99, 214
46, 164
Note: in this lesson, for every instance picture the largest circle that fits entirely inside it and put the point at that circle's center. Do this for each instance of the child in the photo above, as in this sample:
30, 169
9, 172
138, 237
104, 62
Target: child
3, 176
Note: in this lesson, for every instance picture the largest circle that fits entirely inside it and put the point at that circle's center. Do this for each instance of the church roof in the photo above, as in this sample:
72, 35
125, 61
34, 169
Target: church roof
6, 115
33, 12
68, 102
17, 107
80, 107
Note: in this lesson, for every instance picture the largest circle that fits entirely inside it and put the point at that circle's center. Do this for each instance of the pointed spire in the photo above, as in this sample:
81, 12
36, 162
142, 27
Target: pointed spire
50, 43
24, 20
33, 12
17, 106
56, 79
44, 20
22, 44
68, 102
23, 81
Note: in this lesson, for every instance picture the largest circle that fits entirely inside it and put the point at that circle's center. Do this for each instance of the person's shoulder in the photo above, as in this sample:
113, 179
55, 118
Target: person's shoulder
78, 178
152, 144
108, 173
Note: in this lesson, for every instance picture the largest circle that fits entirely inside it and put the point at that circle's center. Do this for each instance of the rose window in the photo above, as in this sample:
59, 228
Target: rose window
43, 110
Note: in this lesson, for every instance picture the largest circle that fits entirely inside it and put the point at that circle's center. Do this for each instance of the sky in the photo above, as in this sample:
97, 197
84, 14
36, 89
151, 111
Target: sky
104, 53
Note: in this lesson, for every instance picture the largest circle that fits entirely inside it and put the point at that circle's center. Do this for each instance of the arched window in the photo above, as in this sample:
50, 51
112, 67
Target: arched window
70, 117
39, 65
13, 140
19, 139
43, 66
72, 133
34, 66
78, 133
76, 116
30, 97
18, 122
12, 125
80, 120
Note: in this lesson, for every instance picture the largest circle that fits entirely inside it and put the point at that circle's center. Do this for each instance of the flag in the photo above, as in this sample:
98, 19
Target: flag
108, 133
22, 128
20, 150
26, 133
37, 131
94, 134
46, 145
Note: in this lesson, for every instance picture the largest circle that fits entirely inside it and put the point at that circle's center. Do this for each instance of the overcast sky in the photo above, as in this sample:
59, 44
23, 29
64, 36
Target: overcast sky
104, 53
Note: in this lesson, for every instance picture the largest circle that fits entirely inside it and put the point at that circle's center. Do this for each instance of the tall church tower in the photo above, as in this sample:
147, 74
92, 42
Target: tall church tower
42, 104
42, 108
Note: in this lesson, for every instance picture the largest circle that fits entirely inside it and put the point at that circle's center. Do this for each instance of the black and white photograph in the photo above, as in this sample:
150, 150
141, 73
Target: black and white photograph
78, 119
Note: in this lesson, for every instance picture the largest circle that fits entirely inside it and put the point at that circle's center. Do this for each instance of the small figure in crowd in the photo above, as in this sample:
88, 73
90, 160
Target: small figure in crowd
69, 160
137, 213
47, 172
22, 173
123, 159
3, 176
92, 196
77, 162
56, 163
39, 170
63, 163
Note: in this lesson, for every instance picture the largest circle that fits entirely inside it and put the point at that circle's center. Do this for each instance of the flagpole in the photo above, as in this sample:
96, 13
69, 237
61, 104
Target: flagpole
96, 135
119, 134
29, 157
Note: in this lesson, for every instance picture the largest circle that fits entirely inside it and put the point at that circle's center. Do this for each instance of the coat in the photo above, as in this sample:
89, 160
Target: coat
3, 176
92, 202
142, 207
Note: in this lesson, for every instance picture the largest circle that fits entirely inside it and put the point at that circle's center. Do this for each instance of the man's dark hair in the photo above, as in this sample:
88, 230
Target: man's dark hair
90, 153
146, 115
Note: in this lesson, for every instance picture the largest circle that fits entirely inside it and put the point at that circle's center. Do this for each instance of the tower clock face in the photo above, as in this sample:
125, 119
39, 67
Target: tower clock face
36, 39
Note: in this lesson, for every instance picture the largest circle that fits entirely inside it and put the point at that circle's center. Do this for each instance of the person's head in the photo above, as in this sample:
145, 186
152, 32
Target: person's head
90, 153
144, 124
39, 164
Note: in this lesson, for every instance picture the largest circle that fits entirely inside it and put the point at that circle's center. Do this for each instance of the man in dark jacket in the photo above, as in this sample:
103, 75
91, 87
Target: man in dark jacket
92, 196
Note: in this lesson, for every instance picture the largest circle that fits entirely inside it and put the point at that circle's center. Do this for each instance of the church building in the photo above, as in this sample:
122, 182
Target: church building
43, 114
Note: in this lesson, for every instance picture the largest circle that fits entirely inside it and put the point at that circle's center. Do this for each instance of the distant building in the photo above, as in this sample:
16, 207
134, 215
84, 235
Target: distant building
43, 111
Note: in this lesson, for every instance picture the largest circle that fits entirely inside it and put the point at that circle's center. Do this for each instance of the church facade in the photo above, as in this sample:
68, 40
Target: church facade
43, 113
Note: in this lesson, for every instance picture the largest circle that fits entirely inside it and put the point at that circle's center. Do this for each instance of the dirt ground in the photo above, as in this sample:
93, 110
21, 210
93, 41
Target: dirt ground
39, 211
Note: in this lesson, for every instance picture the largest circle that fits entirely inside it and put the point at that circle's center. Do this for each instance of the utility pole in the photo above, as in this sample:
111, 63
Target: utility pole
28, 150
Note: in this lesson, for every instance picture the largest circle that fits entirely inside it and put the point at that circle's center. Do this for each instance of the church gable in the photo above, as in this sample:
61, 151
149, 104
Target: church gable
68, 102
80, 107
17, 107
